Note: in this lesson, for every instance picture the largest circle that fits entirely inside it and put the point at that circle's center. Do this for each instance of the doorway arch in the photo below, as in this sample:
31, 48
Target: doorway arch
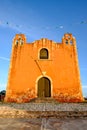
44, 87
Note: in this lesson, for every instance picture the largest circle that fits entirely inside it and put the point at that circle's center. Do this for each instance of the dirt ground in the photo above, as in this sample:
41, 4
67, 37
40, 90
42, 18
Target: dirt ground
36, 116
43, 124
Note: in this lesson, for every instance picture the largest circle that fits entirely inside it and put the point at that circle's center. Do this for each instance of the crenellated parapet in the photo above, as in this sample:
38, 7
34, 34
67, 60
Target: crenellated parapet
67, 39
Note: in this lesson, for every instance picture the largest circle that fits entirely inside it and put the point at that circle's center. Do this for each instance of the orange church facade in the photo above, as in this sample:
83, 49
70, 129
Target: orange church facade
42, 69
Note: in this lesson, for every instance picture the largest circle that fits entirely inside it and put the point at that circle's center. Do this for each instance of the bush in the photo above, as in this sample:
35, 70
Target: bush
2, 95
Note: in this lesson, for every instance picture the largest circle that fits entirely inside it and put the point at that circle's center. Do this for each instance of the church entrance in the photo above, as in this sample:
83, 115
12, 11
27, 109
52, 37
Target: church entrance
44, 87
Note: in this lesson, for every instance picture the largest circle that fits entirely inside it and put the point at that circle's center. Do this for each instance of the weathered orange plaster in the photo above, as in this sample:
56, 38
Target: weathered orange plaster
61, 68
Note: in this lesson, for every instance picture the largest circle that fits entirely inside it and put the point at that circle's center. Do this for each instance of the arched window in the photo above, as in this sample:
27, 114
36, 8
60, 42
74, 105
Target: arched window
66, 41
44, 53
21, 42
16, 42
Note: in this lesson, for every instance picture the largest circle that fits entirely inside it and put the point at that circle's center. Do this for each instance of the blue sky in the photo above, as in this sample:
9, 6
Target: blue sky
43, 18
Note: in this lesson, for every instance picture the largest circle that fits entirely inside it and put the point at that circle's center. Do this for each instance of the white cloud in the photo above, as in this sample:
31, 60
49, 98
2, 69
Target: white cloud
84, 86
4, 58
61, 26
2, 86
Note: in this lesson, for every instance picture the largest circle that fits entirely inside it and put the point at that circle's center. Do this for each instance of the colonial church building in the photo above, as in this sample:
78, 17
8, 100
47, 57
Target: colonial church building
44, 69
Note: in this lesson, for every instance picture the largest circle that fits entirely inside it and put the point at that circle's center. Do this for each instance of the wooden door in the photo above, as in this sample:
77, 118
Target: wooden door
44, 87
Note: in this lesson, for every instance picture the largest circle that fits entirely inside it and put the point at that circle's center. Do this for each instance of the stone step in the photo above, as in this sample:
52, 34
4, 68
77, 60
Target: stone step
43, 100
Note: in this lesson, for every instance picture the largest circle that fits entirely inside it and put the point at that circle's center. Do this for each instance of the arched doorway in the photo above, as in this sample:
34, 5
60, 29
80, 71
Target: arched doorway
44, 87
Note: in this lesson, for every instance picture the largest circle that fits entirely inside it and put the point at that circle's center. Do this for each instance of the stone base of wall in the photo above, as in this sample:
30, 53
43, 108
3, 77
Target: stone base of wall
26, 99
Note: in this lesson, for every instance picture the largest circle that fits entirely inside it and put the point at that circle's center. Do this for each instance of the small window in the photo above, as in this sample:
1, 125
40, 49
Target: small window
71, 41
66, 41
21, 42
16, 42
43, 53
